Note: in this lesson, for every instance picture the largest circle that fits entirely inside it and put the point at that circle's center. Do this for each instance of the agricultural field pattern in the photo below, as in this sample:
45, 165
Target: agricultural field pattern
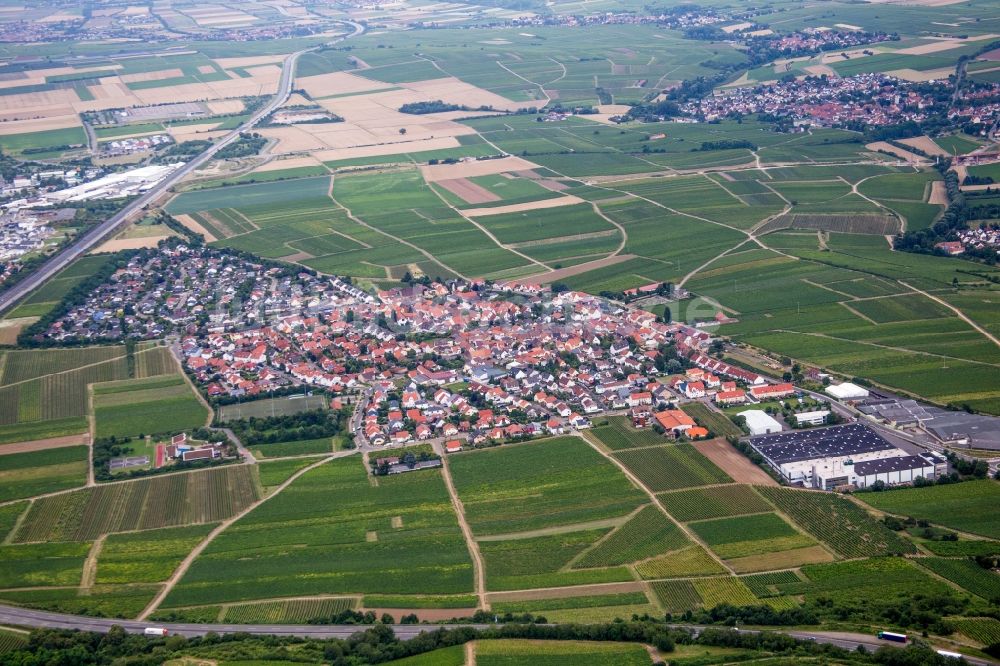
316, 312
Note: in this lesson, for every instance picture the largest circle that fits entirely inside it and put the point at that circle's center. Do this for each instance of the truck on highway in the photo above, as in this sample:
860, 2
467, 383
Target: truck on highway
891, 636
156, 631
949, 655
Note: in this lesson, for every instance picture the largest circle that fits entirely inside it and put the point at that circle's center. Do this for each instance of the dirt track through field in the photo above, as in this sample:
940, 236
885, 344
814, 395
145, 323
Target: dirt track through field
733, 463
470, 542
43, 444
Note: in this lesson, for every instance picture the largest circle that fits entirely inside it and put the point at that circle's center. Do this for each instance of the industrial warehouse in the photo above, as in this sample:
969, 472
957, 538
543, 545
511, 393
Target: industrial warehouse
843, 456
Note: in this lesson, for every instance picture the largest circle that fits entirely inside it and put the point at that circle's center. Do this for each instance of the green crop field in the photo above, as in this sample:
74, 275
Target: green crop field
552, 482
511, 652
297, 611
671, 467
333, 514
986, 630
42, 564
39, 472
718, 424
205, 496
837, 522
749, 535
619, 434
718, 502
545, 561
146, 557
158, 405
271, 407
646, 534
965, 507
966, 574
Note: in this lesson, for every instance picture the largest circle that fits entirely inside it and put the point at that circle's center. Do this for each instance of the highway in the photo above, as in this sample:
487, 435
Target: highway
94, 236
24, 617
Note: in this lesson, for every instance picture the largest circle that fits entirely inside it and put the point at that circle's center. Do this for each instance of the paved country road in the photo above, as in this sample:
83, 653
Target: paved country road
25, 617
91, 238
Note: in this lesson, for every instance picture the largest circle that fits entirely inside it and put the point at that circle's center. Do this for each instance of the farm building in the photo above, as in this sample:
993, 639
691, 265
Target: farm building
843, 455
760, 422
847, 391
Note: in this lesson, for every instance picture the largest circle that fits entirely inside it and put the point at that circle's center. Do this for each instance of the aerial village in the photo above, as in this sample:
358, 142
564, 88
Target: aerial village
468, 364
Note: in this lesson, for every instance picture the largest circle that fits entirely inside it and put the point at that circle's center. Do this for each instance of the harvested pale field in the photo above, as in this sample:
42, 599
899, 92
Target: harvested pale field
925, 144
992, 56
964, 188
264, 81
735, 27
829, 57
296, 99
848, 26
743, 80
292, 139
336, 83
38, 124
34, 104
939, 193
456, 91
917, 3
226, 106
563, 273
195, 226
563, 592
733, 463
820, 70
206, 69
44, 444
249, 61
613, 109
884, 146
385, 148
782, 560
468, 191
472, 168
182, 133
119, 244
158, 75
290, 163
760, 33
568, 200
58, 17
918, 76
10, 328
133, 10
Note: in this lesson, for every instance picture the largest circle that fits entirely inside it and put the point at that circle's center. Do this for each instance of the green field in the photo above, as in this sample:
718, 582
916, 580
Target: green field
838, 522
619, 434
157, 405
671, 467
174, 500
40, 472
548, 483
966, 507
333, 514
718, 502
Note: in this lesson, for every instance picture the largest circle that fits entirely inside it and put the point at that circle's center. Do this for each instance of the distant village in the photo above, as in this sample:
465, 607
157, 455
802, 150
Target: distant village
870, 99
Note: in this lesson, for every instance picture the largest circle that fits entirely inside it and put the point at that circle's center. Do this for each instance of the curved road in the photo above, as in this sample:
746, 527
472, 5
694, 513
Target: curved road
91, 238
14, 616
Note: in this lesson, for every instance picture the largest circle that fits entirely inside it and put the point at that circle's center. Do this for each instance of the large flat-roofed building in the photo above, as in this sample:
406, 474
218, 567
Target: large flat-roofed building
843, 455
